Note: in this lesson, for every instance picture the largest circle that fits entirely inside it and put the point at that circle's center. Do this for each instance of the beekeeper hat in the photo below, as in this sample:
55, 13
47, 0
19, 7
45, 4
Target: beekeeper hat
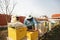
29, 17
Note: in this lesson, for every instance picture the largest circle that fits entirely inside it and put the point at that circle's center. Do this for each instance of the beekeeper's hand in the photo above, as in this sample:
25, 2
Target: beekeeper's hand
36, 28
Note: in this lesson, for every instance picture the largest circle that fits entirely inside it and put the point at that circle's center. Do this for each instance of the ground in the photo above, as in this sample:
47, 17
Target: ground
54, 34
3, 34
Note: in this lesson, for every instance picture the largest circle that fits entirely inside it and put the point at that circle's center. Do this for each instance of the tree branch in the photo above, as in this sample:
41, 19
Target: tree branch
1, 6
12, 9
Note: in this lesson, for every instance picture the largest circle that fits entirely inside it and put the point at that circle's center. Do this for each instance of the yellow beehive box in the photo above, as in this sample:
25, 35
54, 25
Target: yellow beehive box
32, 35
16, 34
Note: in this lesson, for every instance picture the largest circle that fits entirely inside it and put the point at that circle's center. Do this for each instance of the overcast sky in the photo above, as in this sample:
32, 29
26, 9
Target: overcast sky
37, 7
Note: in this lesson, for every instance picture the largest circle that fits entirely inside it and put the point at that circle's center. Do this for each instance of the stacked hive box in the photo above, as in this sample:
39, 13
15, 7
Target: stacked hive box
32, 35
16, 34
16, 30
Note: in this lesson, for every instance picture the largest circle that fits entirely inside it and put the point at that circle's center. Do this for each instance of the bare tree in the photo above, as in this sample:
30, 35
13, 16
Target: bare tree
7, 7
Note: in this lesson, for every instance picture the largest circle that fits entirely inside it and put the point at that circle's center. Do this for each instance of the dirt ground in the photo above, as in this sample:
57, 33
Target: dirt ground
54, 34
3, 35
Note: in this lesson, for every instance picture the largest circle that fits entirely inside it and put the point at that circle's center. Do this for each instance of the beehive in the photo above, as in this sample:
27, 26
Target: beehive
16, 34
32, 35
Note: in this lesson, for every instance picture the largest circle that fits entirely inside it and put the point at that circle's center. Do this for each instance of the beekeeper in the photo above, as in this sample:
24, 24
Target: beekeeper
30, 22
15, 22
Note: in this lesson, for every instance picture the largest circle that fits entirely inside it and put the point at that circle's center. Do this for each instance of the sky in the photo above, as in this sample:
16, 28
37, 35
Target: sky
36, 7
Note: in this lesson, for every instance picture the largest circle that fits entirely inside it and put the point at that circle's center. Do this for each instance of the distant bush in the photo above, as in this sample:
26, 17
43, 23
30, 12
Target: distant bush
3, 28
54, 34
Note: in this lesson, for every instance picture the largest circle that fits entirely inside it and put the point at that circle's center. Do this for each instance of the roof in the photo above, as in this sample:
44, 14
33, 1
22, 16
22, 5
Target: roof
55, 16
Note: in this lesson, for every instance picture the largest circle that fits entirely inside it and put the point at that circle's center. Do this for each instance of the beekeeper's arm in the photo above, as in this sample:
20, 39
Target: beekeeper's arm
35, 24
26, 23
